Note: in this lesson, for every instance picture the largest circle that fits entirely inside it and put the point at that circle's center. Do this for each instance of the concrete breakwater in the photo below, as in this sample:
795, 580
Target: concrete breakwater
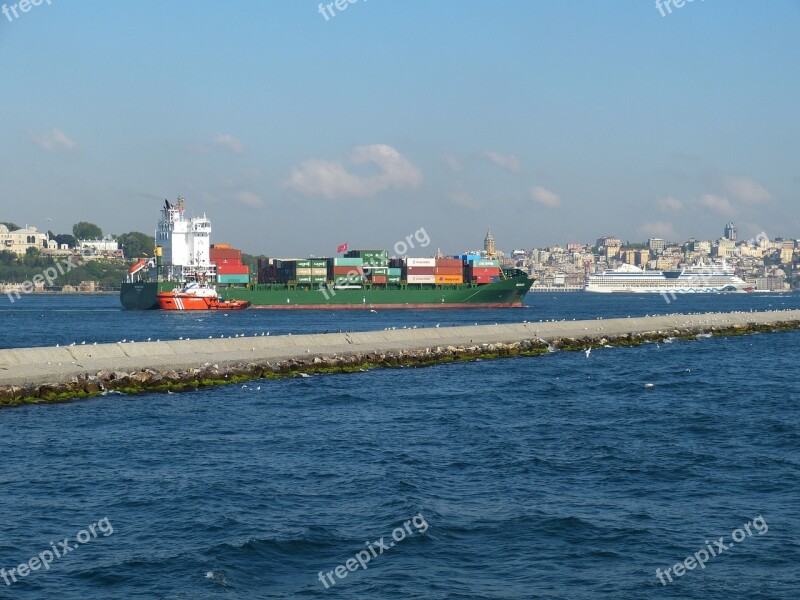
61, 373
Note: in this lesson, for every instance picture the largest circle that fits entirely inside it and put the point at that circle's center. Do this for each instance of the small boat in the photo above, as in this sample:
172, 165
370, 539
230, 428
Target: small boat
194, 296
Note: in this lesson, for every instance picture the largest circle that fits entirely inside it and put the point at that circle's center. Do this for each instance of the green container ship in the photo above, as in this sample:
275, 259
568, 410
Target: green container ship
507, 292
182, 255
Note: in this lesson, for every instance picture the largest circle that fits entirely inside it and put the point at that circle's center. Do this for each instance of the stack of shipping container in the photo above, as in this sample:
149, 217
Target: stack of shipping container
420, 270
230, 269
307, 271
482, 270
449, 271
346, 271
375, 264
359, 267
267, 271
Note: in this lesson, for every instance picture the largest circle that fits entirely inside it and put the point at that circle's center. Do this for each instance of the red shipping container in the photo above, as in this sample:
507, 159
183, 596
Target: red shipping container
449, 271
379, 279
233, 270
225, 253
449, 262
485, 271
484, 279
421, 270
347, 270
225, 261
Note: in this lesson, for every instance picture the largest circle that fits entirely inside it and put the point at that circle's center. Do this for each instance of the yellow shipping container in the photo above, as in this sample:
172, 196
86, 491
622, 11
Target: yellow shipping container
450, 279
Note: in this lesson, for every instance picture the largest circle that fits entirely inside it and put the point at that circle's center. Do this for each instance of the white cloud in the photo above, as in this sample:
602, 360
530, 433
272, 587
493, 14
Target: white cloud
452, 163
746, 190
670, 205
659, 229
332, 179
545, 197
249, 199
507, 162
54, 140
230, 142
464, 200
718, 204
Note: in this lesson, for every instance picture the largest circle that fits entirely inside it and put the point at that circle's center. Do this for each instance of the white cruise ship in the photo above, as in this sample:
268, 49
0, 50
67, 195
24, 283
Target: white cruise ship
698, 279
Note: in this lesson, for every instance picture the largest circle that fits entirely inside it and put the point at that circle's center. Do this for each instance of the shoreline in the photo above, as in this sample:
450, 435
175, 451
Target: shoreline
57, 374
59, 293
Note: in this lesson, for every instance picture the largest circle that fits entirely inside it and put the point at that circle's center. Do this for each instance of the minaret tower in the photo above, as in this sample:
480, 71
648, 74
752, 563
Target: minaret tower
488, 243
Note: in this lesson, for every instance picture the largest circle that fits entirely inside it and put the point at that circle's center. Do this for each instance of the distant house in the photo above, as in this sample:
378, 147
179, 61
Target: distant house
20, 240
106, 246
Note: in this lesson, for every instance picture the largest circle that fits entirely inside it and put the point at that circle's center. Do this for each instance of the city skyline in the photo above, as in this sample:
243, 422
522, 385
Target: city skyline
430, 248
521, 118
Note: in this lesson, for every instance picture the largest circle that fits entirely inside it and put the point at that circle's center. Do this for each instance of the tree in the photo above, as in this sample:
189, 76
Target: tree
65, 238
31, 257
136, 244
11, 226
87, 231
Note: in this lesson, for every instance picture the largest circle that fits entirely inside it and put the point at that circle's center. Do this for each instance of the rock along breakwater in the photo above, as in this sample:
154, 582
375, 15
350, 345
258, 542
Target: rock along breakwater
31, 375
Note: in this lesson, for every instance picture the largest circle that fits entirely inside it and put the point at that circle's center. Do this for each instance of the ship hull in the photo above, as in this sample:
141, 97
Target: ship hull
698, 279
179, 301
143, 295
506, 293
670, 290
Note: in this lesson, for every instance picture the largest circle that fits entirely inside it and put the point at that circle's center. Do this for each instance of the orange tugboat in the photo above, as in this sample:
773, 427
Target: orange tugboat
194, 296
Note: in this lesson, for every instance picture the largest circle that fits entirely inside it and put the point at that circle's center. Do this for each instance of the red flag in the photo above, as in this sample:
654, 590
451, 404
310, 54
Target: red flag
342, 248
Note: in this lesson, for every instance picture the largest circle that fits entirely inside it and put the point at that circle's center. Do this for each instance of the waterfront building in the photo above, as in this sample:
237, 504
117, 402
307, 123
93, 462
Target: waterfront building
20, 240
108, 245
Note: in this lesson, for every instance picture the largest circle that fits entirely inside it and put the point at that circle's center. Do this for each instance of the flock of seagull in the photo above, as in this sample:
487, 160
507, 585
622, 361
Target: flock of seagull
710, 321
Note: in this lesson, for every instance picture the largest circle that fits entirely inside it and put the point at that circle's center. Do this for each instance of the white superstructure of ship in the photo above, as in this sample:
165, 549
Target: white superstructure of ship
697, 279
182, 248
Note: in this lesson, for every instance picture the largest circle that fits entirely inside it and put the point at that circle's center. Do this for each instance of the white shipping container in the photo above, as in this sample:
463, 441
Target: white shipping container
420, 262
319, 272
422, 279
304, 271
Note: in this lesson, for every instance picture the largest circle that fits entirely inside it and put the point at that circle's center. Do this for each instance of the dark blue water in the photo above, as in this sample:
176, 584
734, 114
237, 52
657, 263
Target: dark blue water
553, 477
49, 320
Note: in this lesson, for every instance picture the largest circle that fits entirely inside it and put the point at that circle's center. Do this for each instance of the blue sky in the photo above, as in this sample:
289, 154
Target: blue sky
548, 121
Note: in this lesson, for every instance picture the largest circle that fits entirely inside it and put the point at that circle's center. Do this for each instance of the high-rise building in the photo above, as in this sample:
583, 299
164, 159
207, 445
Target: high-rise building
609, 241
635, 256
787, 252
656, 245
731, 233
